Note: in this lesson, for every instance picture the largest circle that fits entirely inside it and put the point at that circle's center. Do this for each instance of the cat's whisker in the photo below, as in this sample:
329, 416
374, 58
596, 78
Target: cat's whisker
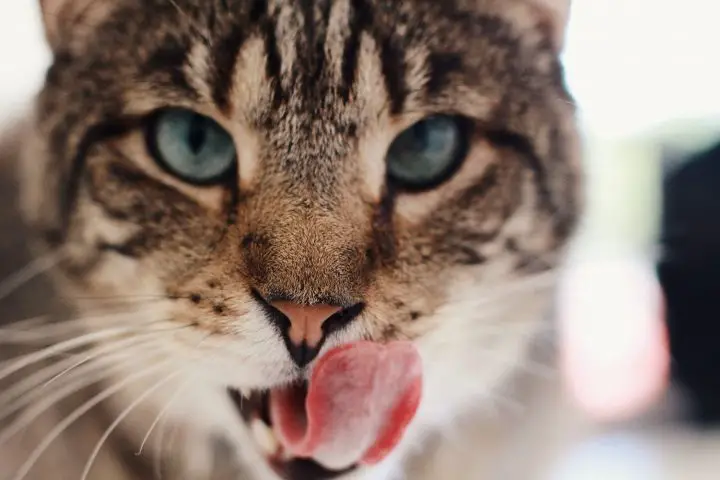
58, 332
14, 365
133, 341
165, 446
19, 325
38, 330
97, 313
26, 360
80, 412
167, 406
122, 416
132, 297
69, 361
39, 401
161, 415
32, 381
32, 270
107, 303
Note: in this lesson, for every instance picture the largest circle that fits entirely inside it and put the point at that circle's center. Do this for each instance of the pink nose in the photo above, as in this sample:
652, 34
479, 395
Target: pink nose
306, 321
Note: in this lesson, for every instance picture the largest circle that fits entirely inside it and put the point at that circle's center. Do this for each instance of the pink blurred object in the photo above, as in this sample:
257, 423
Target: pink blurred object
615, 356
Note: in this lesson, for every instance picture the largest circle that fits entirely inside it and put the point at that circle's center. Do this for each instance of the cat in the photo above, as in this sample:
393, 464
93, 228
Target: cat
297, 240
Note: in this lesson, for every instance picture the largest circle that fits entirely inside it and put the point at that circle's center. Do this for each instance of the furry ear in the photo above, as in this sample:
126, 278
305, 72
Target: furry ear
549, 17
557, 13
66, 21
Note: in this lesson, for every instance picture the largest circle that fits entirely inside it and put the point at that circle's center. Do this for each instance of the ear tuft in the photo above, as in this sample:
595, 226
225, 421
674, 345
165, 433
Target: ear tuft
550, 17
64, 20
557, 13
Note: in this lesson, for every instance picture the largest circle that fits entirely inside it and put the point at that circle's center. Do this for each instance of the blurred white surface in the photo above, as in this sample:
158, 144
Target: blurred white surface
23, 55
635, 64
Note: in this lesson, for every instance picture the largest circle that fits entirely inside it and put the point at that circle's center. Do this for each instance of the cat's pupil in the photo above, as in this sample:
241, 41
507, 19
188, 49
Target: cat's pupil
422, 136
197, 134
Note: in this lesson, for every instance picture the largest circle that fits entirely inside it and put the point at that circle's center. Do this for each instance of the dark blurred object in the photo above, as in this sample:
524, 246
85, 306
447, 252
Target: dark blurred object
689, 271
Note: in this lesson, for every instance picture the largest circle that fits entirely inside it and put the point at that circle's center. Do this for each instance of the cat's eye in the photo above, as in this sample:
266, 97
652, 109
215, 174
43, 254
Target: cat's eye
191, 146
428, 152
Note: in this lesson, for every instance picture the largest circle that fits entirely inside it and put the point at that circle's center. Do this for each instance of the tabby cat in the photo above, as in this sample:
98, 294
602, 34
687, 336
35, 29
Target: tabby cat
299, 239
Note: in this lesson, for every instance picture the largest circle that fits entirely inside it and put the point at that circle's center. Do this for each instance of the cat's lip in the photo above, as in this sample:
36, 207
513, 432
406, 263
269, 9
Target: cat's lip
255, 412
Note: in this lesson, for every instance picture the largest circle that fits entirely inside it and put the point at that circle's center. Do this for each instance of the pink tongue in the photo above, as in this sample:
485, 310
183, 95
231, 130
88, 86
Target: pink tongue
361, 399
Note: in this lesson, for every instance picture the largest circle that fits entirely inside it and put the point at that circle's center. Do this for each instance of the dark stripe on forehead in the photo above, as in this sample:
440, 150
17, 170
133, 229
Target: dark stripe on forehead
394, 71
224, 59
361, 20
168, 61
312, 46
273, 62
226, 53
441, 67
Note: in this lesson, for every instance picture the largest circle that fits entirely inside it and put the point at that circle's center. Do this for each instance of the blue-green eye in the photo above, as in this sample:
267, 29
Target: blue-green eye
191, 146
428, 153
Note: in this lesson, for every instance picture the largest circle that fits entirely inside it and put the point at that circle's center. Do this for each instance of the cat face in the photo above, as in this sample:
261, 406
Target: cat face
272, 179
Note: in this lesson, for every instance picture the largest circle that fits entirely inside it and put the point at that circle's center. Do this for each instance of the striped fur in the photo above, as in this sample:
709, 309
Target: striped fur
313, 92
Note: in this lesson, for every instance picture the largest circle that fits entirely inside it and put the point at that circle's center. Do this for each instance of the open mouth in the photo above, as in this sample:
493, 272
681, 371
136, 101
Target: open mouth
255, 411
353, 411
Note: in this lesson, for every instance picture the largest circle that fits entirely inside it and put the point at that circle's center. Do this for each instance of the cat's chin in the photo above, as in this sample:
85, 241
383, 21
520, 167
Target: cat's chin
255, 412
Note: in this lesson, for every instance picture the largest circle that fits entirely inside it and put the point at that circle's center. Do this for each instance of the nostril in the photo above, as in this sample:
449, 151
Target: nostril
304, 328
342, 318
276, 317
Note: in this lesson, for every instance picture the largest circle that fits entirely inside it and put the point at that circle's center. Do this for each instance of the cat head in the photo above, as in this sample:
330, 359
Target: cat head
271, 179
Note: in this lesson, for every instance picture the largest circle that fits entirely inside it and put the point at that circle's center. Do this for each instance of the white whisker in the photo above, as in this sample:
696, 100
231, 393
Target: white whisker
167, 406
12, 335
78, 413
53, 372
63, 347
28, 383
134, 341
40, 401
164, 447
36, 267
162, 414
160, 448
31, 322
121, 417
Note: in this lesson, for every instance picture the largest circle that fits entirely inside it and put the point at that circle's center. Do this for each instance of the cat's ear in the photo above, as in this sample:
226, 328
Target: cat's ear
68, 20
556, 14
550, 17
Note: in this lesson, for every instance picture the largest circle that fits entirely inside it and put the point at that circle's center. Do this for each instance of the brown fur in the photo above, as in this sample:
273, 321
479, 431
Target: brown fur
313, 94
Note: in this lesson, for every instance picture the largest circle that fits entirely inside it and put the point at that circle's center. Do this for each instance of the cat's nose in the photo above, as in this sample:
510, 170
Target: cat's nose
305, 327
306, 321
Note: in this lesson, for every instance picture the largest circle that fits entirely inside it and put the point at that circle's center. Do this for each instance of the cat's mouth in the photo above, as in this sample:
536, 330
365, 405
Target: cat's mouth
353, 411
255, 412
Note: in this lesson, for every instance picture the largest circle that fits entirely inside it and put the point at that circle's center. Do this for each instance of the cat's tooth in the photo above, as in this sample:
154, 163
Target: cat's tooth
264, 436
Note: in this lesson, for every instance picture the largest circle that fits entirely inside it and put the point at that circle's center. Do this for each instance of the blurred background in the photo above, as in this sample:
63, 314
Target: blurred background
646, 77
